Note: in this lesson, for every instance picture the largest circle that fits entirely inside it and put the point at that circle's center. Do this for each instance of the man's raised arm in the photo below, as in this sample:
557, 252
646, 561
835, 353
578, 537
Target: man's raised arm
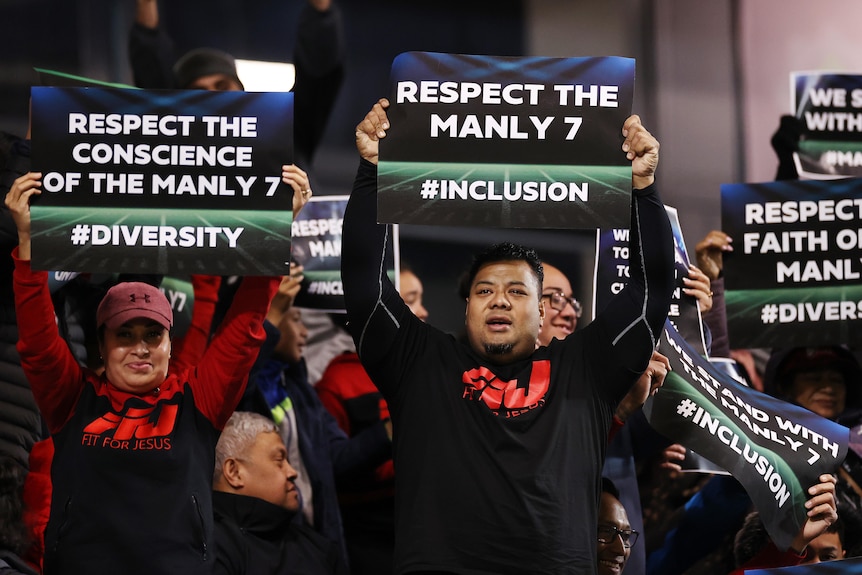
373, 305
636, 317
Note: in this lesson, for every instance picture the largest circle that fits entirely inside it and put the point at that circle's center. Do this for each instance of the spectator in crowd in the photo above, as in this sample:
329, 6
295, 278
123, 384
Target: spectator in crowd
23, 433
318, 60
255, 501
13, 532
500, 438
753, 542
319, 450
104, 448
562, 309
632, 439
615, 534
815, 378
710, 253
560, 321
319, 66
367, 502
819, 539
21, 424
824, 380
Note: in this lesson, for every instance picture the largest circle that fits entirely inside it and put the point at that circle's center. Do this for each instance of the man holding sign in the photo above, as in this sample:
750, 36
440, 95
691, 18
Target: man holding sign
499, 445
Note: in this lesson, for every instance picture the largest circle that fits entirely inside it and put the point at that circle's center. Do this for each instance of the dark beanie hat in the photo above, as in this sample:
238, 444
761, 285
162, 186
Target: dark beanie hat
204, 62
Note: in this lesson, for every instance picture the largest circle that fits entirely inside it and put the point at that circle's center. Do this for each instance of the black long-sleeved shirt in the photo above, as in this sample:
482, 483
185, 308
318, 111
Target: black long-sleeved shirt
490, 483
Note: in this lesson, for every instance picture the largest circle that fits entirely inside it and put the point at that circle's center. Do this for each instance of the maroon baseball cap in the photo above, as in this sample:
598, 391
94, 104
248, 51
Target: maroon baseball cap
813, 358
129, 300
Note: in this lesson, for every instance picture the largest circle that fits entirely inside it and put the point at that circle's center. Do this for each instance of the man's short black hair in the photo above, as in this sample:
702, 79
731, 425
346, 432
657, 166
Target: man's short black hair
609, 488
505, 252
752, 537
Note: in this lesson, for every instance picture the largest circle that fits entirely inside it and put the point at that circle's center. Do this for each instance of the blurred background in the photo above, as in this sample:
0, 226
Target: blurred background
712, 82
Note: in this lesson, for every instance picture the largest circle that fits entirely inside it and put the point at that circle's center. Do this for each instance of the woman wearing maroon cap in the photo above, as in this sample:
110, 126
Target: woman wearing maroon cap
134, 321
134, 444
825, 380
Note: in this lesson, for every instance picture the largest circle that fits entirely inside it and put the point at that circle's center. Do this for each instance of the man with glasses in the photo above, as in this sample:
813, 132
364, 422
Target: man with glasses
615, 534
561, 309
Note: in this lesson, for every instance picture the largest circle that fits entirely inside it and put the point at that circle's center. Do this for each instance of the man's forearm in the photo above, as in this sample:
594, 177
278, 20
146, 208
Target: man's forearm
652, 240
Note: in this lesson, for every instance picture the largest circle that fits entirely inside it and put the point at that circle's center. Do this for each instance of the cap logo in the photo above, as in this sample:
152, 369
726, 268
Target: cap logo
133, 297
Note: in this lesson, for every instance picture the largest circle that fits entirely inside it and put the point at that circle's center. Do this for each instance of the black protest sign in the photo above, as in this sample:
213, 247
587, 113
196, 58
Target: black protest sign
316, 246
612, 272
829, 107
162, 181
506, 142
775, 449
793, 278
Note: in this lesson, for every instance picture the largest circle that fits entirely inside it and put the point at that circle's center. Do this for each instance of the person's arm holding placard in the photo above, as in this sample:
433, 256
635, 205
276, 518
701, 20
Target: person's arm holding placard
151, 50
363, 273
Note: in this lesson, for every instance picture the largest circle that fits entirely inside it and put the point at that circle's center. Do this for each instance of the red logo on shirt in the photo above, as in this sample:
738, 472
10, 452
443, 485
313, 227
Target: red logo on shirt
509, 398
138, 428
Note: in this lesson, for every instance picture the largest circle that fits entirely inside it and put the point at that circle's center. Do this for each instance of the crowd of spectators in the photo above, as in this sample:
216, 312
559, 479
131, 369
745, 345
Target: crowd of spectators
267, 469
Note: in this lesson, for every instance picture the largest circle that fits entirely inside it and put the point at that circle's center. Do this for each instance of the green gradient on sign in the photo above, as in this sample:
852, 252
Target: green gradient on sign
608, 188
830, 315
730, 460
665, 418
831, 158
57, 78
262, 248
819, 146
322, 276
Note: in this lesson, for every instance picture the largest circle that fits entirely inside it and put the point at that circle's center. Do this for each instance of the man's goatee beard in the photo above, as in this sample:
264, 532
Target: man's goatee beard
498, 348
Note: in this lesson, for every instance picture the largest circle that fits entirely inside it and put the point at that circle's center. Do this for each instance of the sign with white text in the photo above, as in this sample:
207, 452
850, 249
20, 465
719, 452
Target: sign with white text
830, 107
316, 246
612, 272
143, 181
506, 142
793, 278
776, 450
